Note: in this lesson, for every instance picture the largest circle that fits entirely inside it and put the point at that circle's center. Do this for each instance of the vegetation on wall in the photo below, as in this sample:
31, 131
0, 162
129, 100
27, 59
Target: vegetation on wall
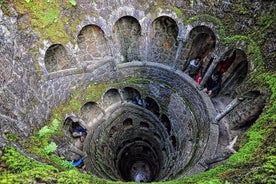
254, 163
252, 50
46, 20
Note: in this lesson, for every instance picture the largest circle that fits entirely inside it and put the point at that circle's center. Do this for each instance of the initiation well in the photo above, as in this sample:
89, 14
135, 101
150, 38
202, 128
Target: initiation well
165, 135
104, 87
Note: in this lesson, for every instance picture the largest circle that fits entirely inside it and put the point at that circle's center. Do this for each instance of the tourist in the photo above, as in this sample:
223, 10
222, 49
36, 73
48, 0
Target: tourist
213, 84
194, 67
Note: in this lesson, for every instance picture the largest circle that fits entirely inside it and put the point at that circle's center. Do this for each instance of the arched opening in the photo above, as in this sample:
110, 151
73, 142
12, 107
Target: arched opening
56, 58
201, 43
127, 32
90, 111
131, 95
163, 43
138, 161
246, 113
234, 69
128, 122
144, 124
92, 44
76, 130
110, 97
151, 105
166, 122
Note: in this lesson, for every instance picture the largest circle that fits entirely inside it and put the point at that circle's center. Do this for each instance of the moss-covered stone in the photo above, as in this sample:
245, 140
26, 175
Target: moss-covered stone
46, 19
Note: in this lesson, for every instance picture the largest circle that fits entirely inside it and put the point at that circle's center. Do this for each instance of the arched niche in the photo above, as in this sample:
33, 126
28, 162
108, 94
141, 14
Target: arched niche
166, 122
247, 112
131, 94
234, 72
127, 122
173, 141
152, 105
90, 111
56, 58
71, 123
201, 43
163, 40
110, 97
127, 32
92, 44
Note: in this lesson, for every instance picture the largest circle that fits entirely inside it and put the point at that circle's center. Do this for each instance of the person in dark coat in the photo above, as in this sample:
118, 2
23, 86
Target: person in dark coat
213, 84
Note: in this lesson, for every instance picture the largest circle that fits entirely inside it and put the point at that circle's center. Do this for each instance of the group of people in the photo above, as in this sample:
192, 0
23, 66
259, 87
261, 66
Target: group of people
195, 71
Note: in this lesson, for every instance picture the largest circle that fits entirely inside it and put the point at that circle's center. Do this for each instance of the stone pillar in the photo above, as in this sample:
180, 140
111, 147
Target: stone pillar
182, 40
229, 108
179, 49
208, 73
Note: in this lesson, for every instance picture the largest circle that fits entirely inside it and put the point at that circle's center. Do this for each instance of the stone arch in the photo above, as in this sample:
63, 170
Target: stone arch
201, 43
152, 105
127, 34
56, 58
163, 40
90, 111
128, 122
92, 20
70, 123
131, 94
247, 112
110, 97
235, 71
92, 44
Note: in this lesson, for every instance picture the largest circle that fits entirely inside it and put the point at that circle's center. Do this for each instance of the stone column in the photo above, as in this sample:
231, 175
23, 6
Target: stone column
182, 40
229, 108
179, 49
208, 73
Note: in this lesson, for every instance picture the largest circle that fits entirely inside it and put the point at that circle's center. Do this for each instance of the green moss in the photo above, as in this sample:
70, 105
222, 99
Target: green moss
208, 18
11, 137
252, 47
25, 170
45, 19
17, 163
158, 5
241, 9
95, 15
5, 9
73, 2
178, 12
266, 20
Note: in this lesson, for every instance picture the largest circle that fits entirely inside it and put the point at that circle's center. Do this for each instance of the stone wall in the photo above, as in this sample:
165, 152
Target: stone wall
39, 73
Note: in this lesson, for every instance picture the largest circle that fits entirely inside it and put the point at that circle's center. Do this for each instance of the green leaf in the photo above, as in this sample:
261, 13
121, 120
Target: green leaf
73, 2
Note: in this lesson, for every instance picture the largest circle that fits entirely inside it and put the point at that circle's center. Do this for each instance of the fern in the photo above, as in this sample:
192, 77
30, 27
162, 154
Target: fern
47, 131
44, 131
50, 148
